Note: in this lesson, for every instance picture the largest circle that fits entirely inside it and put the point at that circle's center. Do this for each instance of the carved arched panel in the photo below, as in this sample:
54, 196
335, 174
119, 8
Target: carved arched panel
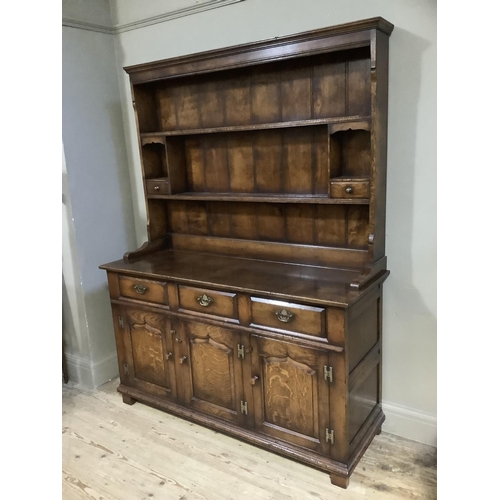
146, 339
211, 370
292, 396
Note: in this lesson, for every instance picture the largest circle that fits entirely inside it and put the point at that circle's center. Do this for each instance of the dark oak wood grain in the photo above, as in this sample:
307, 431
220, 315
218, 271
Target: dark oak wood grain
210, 378
291, 396
255, 306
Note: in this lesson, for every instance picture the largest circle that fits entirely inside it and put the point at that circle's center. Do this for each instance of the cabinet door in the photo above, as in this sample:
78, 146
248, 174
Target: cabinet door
291, 396
210, 372
149, 352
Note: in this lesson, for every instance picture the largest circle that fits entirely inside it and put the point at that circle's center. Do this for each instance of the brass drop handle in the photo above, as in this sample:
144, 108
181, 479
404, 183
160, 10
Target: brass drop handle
284, 316
140, 289
157, 188
348, 189
181, 361
254, 379
169, 355
204, 300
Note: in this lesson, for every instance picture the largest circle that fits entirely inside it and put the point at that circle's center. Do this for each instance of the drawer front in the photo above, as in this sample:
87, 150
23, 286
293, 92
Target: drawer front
350, 189
298, 318
141, 289
158, 186
208, 301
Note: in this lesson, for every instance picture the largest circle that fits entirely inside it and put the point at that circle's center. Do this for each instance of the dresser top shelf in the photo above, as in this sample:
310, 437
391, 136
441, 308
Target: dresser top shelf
278, 280
262, 198
343, 122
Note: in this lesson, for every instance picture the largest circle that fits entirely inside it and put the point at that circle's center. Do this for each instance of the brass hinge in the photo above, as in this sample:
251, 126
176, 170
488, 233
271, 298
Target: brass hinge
241, 351
328, 373
125, 368
244, 408
120, 322
330, 436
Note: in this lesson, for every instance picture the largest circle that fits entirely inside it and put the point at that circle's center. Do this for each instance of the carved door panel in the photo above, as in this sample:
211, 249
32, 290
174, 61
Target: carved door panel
210, 376
149, 352
291, 395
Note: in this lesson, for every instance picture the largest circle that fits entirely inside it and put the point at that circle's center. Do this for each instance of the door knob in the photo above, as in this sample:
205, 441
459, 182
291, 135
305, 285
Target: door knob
254, 379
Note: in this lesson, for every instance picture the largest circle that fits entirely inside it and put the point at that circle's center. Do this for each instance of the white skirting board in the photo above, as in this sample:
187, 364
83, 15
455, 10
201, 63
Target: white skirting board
410, 423
83, 372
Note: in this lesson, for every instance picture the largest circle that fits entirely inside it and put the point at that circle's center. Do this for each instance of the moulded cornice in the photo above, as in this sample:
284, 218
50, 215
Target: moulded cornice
167, 16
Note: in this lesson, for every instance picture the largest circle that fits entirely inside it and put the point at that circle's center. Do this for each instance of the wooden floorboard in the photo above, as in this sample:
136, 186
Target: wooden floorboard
112, 451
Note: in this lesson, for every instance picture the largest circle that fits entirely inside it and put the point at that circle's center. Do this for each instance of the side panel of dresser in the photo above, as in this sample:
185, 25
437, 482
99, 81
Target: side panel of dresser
364, 374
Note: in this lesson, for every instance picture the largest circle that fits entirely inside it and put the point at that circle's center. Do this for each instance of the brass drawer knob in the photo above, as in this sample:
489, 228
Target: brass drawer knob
285, 316
169, 355
204, 300
140, 289
157, 188
183, 359
348, 190
254, 379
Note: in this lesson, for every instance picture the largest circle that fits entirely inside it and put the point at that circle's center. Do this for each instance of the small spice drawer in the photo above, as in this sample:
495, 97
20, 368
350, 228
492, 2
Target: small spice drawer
350, 189
158, 186
208, 301
141, 289
298, 318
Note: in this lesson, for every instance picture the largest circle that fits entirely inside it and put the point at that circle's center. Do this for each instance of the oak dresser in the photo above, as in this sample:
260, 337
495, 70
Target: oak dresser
255, 306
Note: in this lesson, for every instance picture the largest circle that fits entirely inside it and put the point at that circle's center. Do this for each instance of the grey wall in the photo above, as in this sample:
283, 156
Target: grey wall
97, 200
409, 349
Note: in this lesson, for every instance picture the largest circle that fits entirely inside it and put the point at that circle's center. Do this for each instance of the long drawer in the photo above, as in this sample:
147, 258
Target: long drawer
279, 315
207, 301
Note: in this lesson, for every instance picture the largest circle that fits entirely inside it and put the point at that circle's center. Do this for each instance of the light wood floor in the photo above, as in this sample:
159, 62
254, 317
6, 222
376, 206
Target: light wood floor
115, 451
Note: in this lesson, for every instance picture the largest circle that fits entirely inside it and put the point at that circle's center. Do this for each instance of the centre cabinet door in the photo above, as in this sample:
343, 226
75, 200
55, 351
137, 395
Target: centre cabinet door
148, 351
209, 371
291, 396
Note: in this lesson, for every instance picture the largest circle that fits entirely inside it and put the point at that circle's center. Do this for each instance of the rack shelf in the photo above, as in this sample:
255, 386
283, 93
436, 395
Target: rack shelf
261, 198
363, 122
